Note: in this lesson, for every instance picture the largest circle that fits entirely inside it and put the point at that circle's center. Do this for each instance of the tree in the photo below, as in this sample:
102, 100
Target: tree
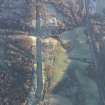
75, 13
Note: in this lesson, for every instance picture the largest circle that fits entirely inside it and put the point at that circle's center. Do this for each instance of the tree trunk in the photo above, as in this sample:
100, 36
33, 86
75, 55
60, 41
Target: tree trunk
39, 69
39, 89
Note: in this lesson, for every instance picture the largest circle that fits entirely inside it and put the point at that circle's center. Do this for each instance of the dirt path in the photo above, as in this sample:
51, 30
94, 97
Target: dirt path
58, 100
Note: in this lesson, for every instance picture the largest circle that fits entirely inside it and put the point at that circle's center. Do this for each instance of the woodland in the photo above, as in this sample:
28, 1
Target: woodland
52, 52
